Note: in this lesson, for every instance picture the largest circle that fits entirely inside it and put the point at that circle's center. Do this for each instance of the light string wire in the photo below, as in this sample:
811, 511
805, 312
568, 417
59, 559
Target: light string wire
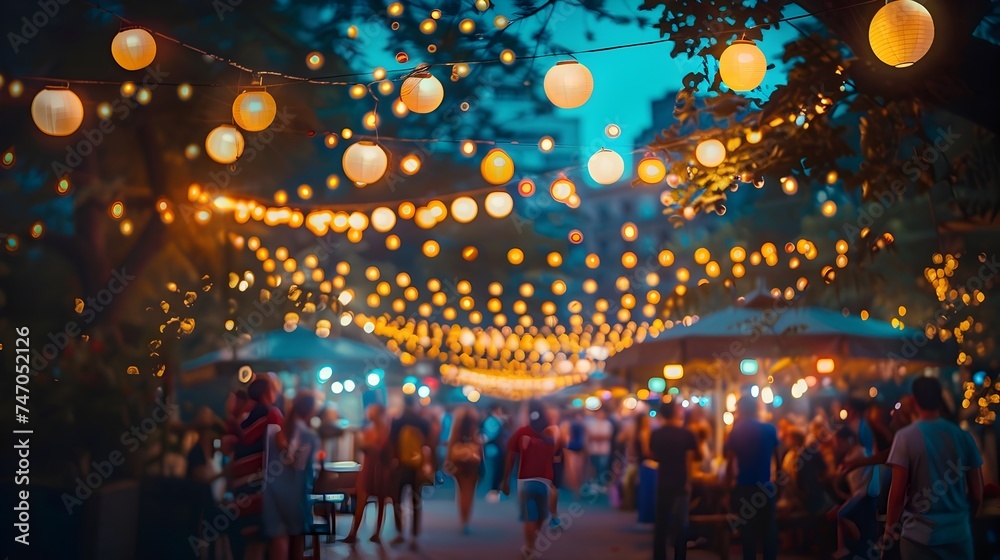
292, 79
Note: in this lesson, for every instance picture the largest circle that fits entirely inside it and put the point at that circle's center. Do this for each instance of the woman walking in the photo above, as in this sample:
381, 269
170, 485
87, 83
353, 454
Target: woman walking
464, 459
372, 481
287, 511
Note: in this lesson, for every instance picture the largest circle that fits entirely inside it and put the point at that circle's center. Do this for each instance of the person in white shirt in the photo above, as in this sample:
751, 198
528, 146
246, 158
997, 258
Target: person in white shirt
599, 431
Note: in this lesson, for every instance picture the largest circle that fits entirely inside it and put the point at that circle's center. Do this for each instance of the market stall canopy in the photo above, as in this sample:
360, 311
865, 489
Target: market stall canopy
348, 351
772, 328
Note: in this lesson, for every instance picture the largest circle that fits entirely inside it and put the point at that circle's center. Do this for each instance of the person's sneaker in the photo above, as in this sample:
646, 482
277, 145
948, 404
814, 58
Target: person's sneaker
466, 530
397, 540
493, 496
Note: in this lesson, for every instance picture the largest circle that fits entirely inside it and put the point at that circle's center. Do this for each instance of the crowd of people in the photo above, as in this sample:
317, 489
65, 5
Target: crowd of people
847, 465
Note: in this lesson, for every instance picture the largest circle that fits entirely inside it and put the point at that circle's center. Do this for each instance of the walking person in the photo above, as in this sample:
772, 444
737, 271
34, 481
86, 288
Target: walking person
856, 524
575, 434
287, 511
409, 438
373, 480
494, 438
676, 452
535, 446
937, 483
749, 452
599, 433
463, 461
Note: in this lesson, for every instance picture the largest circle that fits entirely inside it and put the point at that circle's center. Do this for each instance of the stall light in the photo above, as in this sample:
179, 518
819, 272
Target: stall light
577, 403
657, 384
409, 388
685, 403
593, 403
777, 401
727, 417
349, 385
824, 365
673, 371
424, 391
731, 402
748, 367
374, 377
337, 387
754, 391
767, 395
843, 414
630, 403
324, 373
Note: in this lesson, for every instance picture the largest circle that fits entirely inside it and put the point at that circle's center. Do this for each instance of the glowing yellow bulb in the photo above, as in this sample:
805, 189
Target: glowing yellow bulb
314, 60
507, 56
546, 144
467, 26
629, 231
515, 256
428, 26
410, 164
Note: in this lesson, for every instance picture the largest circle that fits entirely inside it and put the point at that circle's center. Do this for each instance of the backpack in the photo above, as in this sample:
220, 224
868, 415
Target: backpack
410, 447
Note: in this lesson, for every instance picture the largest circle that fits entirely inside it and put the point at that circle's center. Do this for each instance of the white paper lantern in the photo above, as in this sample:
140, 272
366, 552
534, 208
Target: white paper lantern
606, 166
742, 66
224, 144
710, 153
464, 209
901, 33
254, 111
499, 204
383, 219
422, 93
568, 84
57, 111
133, 49
364, 162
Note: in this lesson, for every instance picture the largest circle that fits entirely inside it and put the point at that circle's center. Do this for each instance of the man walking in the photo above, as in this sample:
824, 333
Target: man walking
675, 450
410, 436
751, 447
937, 483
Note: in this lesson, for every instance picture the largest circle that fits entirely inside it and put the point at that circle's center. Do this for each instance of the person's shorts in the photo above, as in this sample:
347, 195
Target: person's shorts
558, 470
533, 496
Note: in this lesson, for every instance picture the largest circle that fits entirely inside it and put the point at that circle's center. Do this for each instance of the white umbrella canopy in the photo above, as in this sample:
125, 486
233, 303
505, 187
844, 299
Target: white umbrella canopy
768, 328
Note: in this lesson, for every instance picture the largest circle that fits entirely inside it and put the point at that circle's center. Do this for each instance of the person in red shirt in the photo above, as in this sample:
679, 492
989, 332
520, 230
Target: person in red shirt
536, 444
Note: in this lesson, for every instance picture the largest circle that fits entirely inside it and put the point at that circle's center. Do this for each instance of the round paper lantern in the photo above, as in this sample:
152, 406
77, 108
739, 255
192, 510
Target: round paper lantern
224, 144
421, 92
742, 66
133, 49
561, 189
57, 111
710, 153
652, 170
606, 166
568, 84
383, 219
499, 204
497, 167
464, 209
254, 111
364, 162
901, 33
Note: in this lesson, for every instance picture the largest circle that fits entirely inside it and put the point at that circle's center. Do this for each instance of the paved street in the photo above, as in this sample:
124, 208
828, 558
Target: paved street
594, 531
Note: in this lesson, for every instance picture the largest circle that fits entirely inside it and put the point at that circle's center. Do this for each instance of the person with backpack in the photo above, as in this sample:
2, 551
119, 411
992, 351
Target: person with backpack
536, 446
410, 436
463, 460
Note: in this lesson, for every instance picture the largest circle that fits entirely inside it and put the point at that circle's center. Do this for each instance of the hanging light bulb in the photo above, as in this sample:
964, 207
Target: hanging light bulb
422, 93
57, 111
568, 84
499, 204
901, 33
652, 170
254, 111
133, 49
464, 209
365, 162
224, 144
742, 66
710, 153
497, 168
606, 166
